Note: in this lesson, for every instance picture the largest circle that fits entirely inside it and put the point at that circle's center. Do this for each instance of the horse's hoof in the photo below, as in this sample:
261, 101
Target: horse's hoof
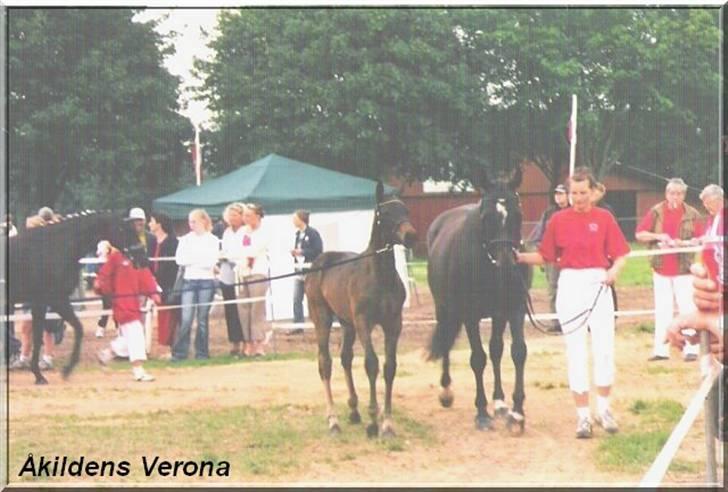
388, 433
501, 409
501, 412
41, 380
484, 422
516, 423
66, 372
446, 398
334, 430
354, 418
372, 430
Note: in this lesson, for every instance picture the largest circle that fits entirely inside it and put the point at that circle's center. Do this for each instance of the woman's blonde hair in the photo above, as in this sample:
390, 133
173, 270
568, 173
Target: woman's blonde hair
236, 206
200, 213
256, 209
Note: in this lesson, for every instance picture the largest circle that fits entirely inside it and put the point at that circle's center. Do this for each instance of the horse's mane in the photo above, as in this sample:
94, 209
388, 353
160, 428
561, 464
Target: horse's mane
69, 220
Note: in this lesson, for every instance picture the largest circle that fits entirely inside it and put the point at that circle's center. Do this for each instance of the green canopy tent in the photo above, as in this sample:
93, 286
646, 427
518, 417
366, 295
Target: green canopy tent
280, 184
342, 209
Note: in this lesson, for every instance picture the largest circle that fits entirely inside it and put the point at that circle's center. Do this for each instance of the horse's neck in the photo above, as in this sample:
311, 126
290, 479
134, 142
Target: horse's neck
382, 262
82, 244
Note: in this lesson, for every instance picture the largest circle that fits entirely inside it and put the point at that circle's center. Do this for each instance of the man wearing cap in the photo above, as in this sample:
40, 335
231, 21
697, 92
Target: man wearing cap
672, 223
561, 201
138, 220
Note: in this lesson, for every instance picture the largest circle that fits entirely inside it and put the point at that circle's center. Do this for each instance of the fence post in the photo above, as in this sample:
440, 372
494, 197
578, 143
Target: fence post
711, 474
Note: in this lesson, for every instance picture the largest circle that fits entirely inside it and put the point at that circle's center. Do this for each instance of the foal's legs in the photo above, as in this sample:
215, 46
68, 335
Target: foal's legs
66, 312
496, 354
347, 355
392, 330
519, 351
321, 317
38, 312
478, 360
371, 363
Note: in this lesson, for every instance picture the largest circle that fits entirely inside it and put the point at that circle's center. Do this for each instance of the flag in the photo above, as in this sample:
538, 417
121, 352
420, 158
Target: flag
197, 157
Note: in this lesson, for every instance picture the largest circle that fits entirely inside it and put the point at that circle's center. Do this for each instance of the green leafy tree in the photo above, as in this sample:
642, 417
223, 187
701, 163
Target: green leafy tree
646, 80
362, 91
93, 113
432, 92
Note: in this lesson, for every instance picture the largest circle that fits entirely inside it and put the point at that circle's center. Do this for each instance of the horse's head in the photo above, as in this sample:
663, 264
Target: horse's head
500, 216
92, 226
392, 220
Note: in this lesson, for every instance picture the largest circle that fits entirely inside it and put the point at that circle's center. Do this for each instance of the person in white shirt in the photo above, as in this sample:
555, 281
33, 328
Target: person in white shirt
253, 268
198, 252
232, 252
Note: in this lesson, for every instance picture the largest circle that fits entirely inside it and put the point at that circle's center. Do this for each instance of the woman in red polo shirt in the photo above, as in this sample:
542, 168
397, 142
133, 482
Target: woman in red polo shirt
588, 246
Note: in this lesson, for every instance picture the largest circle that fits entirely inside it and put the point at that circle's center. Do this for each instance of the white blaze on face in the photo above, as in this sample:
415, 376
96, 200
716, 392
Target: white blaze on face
501, 208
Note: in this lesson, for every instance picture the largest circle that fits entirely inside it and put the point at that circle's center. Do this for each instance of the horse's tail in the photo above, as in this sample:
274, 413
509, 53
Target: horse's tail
443, 338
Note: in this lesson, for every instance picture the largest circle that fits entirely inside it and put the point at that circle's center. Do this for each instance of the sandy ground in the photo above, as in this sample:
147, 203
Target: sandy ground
546, 455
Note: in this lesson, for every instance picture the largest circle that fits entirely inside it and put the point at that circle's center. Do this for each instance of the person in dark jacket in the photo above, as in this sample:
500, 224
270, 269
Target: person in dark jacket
307, 247
165, 273
561, 202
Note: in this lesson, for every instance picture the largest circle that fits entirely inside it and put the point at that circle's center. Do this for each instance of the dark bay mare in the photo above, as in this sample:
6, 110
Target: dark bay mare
363, 292
473, 275
44, 270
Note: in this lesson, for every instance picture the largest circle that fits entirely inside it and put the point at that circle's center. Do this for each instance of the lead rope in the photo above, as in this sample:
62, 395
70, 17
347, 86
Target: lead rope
530, 311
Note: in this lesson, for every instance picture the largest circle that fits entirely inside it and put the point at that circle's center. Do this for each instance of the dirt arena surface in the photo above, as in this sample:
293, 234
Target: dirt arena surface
103, 414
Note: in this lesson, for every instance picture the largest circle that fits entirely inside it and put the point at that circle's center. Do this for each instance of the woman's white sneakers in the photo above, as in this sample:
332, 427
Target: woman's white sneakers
606, 420
583, 428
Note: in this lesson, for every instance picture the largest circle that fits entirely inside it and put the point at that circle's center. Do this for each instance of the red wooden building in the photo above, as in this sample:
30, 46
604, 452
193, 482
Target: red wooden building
628, 193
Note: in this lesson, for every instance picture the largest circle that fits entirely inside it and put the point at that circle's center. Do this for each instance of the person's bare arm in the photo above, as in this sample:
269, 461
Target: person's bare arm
533, 258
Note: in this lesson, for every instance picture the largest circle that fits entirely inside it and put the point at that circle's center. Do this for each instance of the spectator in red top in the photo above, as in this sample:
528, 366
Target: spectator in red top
671, 223
714, 237
127, 278
588, 246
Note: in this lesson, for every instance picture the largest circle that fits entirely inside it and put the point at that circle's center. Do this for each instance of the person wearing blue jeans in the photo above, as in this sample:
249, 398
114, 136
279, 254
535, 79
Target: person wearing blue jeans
198, 253
194, 292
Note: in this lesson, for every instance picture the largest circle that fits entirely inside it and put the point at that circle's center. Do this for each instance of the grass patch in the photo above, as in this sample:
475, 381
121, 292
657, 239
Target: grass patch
645, 328
259, 444
655, 412
682, 466
638, 443
657, 370
418, 271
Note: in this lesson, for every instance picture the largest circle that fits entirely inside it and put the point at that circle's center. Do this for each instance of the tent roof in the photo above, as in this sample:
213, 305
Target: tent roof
280, 184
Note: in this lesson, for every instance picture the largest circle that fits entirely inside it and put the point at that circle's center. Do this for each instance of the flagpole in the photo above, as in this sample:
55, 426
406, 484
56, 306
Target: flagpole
572, 135
198, 157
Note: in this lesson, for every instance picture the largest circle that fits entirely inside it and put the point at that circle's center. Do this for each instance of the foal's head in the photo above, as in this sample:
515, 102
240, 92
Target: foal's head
393, 222
500, 216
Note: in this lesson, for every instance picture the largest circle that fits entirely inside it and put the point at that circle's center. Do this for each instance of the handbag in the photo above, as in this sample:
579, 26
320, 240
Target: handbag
175, 296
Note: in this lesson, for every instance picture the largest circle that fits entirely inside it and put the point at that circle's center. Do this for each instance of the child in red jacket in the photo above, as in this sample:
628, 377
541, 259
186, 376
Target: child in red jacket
127, 279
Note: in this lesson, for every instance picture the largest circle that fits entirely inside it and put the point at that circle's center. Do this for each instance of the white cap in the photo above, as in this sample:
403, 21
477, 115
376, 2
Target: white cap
137, 213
